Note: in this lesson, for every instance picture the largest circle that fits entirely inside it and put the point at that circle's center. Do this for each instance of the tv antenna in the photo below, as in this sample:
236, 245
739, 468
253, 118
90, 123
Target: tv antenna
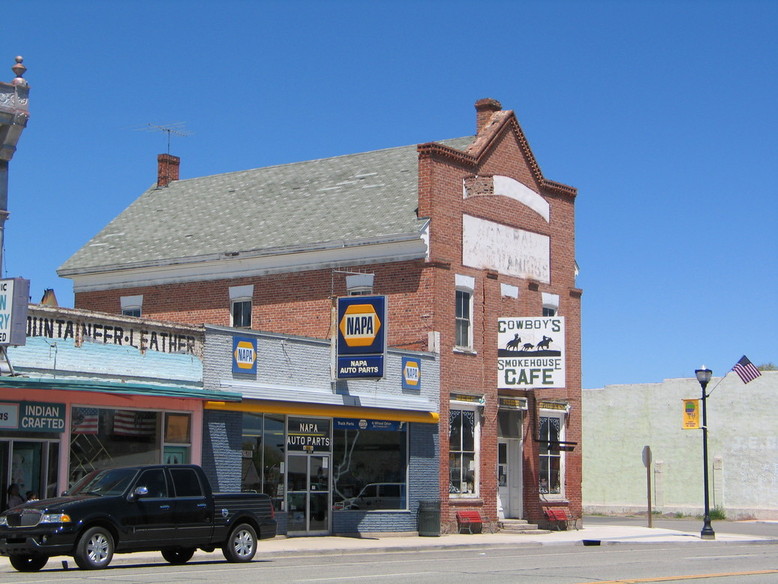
170, 128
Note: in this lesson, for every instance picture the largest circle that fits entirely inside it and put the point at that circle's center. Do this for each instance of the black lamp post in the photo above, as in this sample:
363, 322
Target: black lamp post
703, 376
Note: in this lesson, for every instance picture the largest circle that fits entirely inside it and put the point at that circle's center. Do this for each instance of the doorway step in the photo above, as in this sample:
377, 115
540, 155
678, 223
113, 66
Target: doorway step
518, 526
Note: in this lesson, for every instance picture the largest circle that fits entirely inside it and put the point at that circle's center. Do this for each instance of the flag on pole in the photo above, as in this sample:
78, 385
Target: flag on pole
746, 370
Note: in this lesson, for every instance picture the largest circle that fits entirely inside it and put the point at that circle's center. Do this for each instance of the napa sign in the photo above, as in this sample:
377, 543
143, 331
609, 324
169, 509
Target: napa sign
244, 355
361, 340
531, 352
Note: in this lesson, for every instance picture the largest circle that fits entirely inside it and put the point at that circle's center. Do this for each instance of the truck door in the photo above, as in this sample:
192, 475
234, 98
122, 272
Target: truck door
151, 516
193, 513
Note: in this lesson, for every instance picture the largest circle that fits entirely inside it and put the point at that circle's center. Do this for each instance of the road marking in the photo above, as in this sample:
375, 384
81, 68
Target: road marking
679, 578
367, 576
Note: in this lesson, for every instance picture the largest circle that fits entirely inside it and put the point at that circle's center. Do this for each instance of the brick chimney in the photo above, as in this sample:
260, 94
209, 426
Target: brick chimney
484, 109
167, 169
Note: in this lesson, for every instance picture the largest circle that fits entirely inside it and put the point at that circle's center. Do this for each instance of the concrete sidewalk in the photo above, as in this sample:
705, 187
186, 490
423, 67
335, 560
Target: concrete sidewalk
296, 546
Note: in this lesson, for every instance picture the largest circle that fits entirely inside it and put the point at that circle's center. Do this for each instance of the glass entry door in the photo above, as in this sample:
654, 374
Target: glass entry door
308, 494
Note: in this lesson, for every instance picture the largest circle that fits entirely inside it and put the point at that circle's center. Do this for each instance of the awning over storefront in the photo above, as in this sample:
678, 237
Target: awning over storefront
314, 401
117, 388
327, 410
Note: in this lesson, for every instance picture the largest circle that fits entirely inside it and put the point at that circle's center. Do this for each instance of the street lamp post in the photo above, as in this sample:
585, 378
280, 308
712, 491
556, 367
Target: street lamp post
703, 376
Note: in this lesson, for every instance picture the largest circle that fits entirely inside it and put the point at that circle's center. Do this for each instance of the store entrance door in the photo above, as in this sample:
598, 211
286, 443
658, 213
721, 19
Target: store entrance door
308, 494
31, 465
509, 478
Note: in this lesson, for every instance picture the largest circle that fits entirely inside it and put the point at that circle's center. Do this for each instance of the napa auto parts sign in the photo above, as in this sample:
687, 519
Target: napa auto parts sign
244, 355
531, 352
361, 338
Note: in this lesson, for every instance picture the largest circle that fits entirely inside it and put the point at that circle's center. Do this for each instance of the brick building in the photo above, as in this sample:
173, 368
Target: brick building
472, 246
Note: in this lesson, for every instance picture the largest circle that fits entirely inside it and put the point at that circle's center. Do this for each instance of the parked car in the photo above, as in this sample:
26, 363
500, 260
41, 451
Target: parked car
170, 508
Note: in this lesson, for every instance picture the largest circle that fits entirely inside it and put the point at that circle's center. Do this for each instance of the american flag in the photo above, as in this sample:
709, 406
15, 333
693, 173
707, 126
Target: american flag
85, 421
746, 370
133, 423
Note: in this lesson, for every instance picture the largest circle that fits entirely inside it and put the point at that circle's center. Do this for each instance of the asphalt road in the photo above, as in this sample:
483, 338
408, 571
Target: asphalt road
708, 562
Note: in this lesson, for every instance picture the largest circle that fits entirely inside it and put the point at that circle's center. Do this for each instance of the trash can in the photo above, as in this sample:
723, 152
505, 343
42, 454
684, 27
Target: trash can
429, 518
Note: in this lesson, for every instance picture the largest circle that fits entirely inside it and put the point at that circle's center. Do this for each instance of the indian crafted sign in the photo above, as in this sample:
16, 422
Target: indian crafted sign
361, 339
14, 298
530, 352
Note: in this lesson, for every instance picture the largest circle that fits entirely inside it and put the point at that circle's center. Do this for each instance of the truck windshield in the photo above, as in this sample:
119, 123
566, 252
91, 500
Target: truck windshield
104, 482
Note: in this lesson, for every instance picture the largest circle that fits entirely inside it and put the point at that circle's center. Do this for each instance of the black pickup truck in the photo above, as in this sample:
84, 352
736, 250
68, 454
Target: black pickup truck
170, 508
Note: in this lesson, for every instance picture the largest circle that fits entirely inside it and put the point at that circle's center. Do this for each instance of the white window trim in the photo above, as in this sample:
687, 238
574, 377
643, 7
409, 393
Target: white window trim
477, 410
131, 303
465, 284
241, 294
551, 302
509, 290
561, 415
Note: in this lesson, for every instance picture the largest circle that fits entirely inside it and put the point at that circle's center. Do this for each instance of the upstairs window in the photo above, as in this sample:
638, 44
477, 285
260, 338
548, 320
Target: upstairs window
360, 284
463, 328
550, 304
132, 305
240, 306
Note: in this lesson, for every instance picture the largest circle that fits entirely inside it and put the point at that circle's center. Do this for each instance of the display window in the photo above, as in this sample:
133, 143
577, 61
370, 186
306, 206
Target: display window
263, 456
102, 437
370, 466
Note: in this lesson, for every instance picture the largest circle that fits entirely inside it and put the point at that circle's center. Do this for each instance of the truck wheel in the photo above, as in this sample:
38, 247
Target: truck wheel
26, 563
178, 555
241, 544
94, 549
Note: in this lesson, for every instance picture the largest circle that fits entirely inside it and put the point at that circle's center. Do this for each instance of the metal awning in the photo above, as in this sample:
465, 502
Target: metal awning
140, 389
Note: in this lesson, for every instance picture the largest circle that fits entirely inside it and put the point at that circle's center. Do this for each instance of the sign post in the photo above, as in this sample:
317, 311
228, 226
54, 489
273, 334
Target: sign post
647, 464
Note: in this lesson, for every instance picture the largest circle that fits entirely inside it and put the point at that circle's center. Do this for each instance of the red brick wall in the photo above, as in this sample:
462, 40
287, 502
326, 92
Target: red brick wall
421, 298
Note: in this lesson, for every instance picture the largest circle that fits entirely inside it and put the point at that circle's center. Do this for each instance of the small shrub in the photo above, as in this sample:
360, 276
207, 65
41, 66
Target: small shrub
718, 514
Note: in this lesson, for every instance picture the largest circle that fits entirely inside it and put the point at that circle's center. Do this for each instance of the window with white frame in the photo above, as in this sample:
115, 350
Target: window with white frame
240, 306
359, 284
551, 437
550, 304
465, 286
463, 445
131, 305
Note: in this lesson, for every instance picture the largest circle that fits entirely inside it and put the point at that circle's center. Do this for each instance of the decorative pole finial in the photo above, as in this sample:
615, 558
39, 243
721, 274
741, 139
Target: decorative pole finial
19, 70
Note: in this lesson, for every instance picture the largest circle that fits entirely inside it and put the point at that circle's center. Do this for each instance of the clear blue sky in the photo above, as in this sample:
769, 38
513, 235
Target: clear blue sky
662, 113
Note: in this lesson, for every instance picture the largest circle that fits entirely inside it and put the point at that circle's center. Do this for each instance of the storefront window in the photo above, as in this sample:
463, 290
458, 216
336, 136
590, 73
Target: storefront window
550, 455
462, 452
101, 438
177, 440
369, 465
263, 455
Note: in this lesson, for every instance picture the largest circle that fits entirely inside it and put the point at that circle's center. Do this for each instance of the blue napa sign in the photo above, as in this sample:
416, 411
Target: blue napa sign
361, 339
411, 373
244, 355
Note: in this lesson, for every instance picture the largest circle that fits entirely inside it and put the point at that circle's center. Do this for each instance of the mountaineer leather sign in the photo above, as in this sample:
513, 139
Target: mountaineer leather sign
530, 352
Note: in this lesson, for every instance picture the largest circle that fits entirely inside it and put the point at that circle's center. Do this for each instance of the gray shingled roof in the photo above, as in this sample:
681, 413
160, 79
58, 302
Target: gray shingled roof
371, 196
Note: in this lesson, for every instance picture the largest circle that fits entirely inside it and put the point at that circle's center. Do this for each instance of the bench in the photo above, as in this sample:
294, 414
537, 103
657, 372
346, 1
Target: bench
557, 516
470, 520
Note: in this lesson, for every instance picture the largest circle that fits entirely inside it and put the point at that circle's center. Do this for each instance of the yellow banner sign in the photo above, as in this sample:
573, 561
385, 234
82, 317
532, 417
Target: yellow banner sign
691, 414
